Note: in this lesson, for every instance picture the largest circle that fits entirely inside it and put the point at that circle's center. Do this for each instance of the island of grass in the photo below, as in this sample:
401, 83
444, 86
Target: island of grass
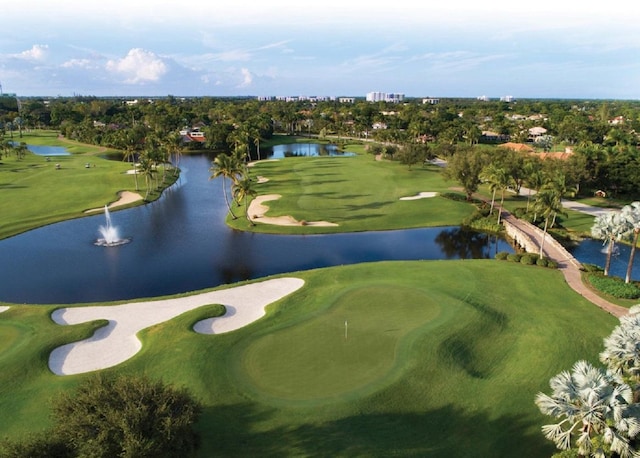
393, 358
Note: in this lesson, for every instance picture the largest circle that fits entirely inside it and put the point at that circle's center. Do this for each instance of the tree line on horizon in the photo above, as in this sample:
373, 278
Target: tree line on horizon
603, 135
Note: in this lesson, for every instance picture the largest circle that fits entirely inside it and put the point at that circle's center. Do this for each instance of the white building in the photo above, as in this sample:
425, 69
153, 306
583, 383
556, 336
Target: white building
430, 101
384, 97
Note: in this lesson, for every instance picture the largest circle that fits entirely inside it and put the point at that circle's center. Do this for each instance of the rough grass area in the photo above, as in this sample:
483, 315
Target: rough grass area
440, 359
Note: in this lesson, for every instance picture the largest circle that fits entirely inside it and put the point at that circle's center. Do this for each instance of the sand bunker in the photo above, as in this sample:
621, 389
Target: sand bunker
117, 341
3, 308
421, 195
257, 211
125, 197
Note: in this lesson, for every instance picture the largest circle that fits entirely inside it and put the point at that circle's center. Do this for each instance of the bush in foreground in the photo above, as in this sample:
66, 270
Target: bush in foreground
125, 416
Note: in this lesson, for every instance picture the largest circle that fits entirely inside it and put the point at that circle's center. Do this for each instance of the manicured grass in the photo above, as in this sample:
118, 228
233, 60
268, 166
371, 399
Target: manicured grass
35, 193
357, 193
441, 359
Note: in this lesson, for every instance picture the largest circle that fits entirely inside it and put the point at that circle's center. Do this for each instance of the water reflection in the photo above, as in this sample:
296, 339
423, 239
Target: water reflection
304, 149
462, 243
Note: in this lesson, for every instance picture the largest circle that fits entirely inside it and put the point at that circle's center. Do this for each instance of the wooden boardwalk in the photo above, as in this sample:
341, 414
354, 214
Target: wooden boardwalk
568, 265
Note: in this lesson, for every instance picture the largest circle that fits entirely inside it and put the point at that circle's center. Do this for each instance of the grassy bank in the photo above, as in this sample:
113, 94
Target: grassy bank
439, 359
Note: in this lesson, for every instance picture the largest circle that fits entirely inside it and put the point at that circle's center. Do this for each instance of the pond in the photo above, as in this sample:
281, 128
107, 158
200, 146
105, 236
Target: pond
594, 252
43, 150
180, 243
302, 149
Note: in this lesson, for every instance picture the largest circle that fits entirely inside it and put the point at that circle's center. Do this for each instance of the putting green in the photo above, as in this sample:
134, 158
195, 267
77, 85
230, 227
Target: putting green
356, 344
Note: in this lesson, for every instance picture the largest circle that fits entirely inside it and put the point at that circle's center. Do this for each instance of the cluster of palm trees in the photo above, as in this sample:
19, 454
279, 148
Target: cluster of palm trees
8, 146
233, 167
147, 153
597, 408
615, 226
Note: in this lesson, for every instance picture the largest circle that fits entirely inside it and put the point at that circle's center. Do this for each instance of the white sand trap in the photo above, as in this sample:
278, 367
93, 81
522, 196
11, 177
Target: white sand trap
116, 342
125, 197
3, 308
421, 195
257, 211
262, 179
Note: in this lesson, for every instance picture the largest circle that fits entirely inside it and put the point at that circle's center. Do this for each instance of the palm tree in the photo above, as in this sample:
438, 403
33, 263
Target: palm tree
621, 352
535, 178
594, 407
147, 170
631, 213
609, 226
243, 190
227, 167
173, 143
548, 203
498, 178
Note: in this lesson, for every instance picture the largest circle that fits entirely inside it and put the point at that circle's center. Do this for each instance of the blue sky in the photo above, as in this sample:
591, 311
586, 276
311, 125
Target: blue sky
457, 48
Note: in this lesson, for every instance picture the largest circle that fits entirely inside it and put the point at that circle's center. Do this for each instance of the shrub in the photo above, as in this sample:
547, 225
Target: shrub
514, 257
551, 264
527, 259
614, 286
542, 262
502, 255
127, 416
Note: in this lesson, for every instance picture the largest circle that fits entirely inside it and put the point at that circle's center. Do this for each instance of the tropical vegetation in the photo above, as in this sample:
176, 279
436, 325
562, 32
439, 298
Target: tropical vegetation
598, 408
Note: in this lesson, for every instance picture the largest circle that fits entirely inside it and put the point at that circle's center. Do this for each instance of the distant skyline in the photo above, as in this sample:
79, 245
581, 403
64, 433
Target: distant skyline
456, 48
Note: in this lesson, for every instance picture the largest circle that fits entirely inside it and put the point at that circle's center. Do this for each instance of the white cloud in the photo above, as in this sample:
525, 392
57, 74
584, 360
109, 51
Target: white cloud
139, 66
36, 53
79, 63
247, 78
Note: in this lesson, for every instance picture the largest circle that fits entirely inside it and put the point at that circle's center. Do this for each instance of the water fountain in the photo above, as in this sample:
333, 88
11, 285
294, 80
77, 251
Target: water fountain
109, 232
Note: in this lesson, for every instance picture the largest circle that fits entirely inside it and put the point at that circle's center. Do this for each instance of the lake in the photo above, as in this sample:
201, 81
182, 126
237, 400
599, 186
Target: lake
180, 243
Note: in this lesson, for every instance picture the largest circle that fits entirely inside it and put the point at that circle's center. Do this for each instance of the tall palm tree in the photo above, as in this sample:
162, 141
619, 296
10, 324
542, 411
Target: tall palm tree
499, 179
534, 178
609, 226
548, 203
147, 170
631, 213
594, 407
243, 190
227, 167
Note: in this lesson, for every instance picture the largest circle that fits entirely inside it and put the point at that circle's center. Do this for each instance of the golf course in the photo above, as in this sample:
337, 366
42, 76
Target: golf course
398, 358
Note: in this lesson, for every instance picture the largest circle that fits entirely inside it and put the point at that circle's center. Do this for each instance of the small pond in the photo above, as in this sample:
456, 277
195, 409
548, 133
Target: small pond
303, 149
44, 150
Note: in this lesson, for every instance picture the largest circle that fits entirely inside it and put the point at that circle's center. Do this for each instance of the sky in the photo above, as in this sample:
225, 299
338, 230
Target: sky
449, 48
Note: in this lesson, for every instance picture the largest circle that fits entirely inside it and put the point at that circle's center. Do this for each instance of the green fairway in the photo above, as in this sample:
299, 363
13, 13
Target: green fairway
356, 193
439, 359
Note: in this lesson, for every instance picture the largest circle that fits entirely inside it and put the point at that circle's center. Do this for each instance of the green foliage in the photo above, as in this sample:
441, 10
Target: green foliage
614, 286
502, 255
542, 262
528, 259
127, 416
514, 257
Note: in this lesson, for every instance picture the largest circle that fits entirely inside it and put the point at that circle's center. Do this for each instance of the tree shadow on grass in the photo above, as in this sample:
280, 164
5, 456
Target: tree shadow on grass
449, 431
